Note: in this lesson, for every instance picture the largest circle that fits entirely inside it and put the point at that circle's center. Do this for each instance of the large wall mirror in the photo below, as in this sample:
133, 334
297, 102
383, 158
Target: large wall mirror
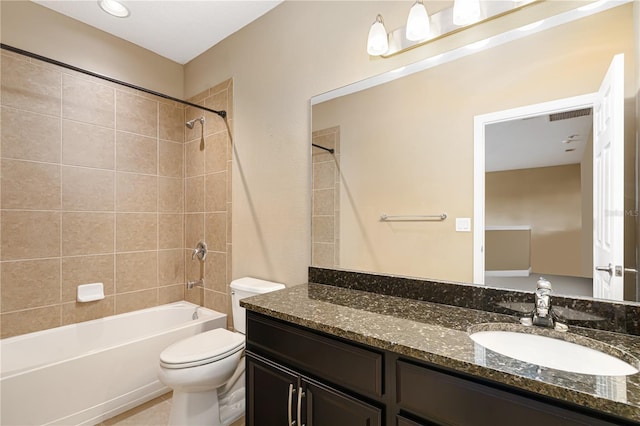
397, 194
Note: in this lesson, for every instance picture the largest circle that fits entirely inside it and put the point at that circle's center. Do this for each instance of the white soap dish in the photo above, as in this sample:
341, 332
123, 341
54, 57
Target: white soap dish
90, 292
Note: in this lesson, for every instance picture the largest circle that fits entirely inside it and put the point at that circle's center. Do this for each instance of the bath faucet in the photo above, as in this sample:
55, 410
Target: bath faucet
199, 283
542, 314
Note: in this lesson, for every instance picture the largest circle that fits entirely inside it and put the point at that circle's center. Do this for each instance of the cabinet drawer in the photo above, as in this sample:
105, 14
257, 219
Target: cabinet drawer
445, 399
331, 360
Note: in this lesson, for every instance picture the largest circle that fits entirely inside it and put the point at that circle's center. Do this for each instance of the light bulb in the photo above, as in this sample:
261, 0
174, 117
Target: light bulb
418, 25
466, 12
378, 41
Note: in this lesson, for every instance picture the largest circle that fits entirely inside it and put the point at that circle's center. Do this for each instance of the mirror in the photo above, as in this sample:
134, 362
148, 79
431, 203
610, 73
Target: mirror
404, 148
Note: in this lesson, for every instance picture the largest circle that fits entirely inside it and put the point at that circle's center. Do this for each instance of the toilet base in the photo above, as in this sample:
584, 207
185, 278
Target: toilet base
195, 409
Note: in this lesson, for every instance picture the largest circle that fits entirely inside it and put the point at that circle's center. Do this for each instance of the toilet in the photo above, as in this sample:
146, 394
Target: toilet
206, 371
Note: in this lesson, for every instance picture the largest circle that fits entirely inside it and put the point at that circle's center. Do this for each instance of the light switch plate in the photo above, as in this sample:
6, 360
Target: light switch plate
463, 224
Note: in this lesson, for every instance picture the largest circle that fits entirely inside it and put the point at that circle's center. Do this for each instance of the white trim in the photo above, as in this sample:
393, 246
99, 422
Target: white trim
508, 228
513, 273
479, 123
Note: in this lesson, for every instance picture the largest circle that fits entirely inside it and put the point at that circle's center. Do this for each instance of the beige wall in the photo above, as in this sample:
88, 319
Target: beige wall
34, 28
407, 146
549, 200
507, 249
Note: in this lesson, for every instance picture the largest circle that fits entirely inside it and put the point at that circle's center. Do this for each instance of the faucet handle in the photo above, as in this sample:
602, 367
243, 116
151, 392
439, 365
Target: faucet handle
544, 284
200, 251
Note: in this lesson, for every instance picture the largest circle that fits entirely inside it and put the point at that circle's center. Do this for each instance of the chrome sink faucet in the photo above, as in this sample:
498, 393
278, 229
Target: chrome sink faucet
542, 314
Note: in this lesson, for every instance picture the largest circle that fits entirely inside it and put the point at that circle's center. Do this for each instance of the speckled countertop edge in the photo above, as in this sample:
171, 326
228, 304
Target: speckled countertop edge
438, 334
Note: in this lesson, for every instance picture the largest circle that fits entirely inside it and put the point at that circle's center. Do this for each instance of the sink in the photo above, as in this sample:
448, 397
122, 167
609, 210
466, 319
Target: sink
557, 353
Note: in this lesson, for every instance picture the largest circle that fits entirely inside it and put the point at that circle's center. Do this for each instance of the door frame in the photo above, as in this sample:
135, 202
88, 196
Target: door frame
479, 124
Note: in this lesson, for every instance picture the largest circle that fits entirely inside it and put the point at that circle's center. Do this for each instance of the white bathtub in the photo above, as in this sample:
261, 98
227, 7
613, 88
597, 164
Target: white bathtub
84, 373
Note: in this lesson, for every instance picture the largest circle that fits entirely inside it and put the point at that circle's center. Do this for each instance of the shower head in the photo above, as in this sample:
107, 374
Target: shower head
190, 123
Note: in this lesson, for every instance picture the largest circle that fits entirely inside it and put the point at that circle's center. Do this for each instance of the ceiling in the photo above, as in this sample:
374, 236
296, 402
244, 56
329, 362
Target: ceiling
536, 142
179, 30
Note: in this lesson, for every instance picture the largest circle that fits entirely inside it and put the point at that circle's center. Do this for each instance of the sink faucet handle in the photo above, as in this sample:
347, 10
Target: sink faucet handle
544, 284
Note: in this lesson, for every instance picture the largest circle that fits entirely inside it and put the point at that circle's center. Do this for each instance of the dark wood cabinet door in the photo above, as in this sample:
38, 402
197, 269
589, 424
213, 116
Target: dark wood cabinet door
324, 406
272, 394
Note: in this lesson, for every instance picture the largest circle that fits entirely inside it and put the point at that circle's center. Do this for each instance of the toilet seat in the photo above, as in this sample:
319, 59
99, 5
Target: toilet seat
203, 348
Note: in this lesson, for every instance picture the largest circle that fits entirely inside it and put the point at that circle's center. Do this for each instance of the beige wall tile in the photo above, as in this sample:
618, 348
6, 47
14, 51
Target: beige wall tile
22, 322
30, 136
87, 189
170, 195
87, 145
28, 185
229, 222
30, 87
216, 231
137, 300
216, 301
170, 231
194, 194
75, 312
136, 114
194, 295
216, 195
136, 231
171, 119
193, 230
136, 153
170, 267
80, 270
88, 101
30, 284
136, 193
323, 255
216, 146
216, 271
170, 294
324, 175
87, 233
217, 101
194, 158
30, 234
136, 271
323, 202
322, 229
171, 156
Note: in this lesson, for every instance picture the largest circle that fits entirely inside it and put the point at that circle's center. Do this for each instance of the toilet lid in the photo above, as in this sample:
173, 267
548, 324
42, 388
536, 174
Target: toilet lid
202, 348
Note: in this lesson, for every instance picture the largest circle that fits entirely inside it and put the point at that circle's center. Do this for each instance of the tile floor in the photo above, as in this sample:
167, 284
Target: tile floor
153, 413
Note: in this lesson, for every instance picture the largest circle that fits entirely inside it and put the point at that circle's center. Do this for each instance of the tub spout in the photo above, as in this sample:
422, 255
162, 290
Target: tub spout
199, 283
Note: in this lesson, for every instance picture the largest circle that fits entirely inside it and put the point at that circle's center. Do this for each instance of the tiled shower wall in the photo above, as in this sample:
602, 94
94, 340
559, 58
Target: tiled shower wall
325, 223
208, 198
92, 190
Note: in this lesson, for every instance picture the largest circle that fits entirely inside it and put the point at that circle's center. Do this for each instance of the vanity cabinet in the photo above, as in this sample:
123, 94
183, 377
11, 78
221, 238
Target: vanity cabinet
278, 396
297, 376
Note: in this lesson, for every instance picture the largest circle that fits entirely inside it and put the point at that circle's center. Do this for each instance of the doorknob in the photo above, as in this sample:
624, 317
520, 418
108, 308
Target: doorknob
611, 269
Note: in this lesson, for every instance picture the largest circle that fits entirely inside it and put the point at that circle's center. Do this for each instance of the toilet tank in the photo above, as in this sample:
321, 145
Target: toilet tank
246, 287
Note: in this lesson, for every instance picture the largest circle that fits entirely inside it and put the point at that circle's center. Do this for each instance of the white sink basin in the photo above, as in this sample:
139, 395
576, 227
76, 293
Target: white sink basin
553, 353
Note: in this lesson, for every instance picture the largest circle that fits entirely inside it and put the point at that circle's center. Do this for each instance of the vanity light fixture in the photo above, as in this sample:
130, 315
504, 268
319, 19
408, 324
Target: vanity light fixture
378, 42
422, 28
114, 8
418, 25
466, 12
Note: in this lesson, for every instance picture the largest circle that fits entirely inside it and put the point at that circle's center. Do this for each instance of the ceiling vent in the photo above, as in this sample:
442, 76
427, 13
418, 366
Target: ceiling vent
570, 114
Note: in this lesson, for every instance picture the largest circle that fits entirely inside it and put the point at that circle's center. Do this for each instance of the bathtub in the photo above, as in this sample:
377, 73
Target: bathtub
85, 373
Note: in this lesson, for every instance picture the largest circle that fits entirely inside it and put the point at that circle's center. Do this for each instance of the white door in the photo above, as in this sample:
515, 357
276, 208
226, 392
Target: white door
608, 184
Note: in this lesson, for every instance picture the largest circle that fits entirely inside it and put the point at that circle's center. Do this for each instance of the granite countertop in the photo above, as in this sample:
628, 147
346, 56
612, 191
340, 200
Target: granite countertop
439, 334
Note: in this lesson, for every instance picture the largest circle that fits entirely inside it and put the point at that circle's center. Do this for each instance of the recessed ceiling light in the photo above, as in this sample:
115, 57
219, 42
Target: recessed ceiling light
114, 8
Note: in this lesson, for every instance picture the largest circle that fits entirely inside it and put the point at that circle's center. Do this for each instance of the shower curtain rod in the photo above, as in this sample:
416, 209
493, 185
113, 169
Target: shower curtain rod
331, 150
222, 113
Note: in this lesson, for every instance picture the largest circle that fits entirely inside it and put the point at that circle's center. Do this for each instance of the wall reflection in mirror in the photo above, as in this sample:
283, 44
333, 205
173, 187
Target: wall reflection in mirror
405, 148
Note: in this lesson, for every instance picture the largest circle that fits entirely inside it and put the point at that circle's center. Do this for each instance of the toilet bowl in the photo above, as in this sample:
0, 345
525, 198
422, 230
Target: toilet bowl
206, 371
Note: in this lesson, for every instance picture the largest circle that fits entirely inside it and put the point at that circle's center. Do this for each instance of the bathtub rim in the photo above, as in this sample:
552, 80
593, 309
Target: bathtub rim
210, 315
